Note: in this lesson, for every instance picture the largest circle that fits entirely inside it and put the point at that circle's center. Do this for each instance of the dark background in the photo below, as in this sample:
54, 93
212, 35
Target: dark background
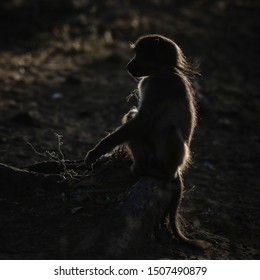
62, 69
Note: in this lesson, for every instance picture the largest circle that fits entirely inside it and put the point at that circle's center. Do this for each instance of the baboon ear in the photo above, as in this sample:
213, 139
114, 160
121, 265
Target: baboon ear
131, 45
157, 41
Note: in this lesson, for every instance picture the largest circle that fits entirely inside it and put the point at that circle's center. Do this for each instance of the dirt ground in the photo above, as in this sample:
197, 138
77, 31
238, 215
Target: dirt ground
62, 70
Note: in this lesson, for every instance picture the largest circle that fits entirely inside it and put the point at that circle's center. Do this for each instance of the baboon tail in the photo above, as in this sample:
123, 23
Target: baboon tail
174, 217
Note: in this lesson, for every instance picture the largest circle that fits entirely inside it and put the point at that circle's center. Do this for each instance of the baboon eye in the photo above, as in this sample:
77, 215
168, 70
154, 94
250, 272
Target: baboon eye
142, 56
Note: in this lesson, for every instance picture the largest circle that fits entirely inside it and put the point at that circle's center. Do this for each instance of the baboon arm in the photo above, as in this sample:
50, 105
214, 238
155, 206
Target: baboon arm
122, 134
136, 126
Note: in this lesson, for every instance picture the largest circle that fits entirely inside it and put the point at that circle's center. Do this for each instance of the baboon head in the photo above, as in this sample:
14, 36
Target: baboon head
153, 53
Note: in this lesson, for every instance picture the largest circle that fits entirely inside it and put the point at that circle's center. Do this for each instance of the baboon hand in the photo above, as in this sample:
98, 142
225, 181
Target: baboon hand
90, 158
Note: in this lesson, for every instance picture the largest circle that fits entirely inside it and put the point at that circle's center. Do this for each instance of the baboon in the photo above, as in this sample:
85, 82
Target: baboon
159, 131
